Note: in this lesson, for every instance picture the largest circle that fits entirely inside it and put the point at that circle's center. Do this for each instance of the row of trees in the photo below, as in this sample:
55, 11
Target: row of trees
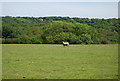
54, 30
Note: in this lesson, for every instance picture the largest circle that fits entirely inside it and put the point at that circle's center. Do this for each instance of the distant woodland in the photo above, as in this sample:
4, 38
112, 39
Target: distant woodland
54, 30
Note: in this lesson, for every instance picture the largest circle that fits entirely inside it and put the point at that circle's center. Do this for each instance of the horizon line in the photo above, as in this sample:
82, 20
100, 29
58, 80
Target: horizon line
67, 16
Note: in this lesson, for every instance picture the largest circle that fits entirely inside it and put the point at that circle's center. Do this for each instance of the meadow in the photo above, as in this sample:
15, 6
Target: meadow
50, 61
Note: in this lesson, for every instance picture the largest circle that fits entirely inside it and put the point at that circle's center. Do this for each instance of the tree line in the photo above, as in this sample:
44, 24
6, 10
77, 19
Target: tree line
54, 30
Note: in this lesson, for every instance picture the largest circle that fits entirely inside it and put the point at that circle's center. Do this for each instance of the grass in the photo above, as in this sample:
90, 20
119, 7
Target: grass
40, 61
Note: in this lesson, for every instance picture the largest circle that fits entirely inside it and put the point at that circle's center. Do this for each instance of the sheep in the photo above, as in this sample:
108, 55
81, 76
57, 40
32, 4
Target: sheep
65, 43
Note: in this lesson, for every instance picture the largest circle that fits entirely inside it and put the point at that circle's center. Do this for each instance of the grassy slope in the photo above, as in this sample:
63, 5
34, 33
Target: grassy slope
33, 61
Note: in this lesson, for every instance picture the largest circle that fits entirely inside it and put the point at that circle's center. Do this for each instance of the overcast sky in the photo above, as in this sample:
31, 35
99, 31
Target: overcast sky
72, 9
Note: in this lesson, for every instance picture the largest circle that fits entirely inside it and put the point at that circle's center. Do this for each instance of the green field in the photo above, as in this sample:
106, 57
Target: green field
40, 61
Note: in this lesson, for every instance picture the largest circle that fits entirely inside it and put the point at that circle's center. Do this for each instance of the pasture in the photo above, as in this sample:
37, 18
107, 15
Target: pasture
45, 61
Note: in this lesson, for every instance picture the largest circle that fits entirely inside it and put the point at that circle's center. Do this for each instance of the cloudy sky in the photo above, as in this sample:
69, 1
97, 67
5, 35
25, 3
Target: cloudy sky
84, 9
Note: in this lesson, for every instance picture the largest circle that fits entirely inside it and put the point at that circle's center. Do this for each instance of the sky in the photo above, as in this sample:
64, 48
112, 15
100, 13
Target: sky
71, 9
60, 0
